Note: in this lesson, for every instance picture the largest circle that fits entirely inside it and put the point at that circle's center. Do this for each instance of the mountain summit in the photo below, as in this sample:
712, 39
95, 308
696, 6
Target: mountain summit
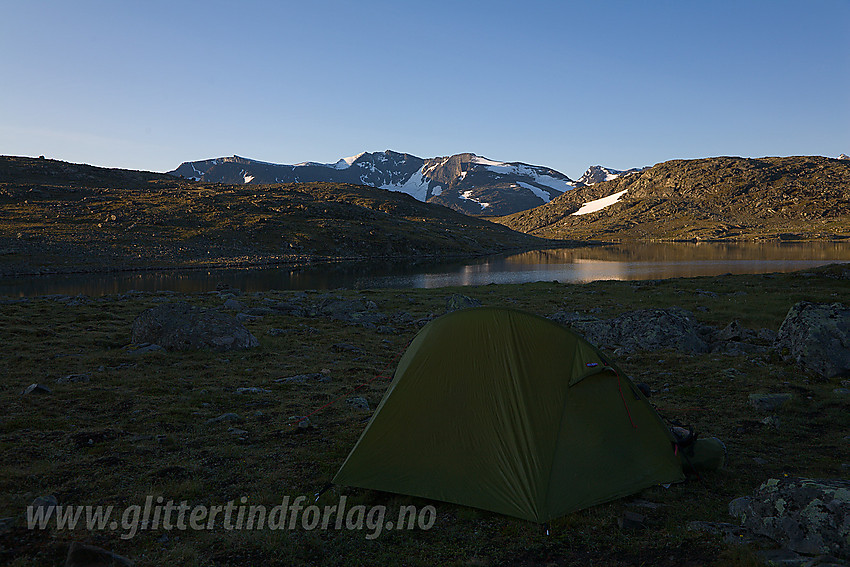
465, 182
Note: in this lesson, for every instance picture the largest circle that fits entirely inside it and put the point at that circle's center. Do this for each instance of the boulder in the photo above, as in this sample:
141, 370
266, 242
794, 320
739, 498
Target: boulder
816, 336
809, 516
180, 326
458, 301
358, 403
646, 329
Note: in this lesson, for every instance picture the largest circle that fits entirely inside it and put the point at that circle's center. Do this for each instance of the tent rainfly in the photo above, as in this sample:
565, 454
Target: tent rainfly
507, 411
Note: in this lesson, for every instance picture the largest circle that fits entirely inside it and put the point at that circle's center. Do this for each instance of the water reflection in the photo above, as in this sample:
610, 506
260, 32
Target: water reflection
618, 262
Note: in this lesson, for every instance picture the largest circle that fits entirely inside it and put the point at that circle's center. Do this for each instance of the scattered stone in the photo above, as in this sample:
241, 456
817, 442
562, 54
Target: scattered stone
816, 336
180, 326
631, 521
84, 555
143, 348
809, 516
252, 390
225, 417
841, 391
274, 332
772, 421
386, 330
36, 389
74, 378
302, 378
245, 318
237, 431
358, 403
234, 305
768, 402
45, 503
305, 423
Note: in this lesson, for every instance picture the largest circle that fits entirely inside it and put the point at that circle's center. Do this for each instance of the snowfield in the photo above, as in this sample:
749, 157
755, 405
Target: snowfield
599, 204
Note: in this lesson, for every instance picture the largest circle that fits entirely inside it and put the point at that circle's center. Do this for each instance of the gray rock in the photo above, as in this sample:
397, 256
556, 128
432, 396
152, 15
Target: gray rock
816, 336
84, 555
232, 417
274, 332
36, 389
386, 330
358, 403
732, 332
738, 506
180, 326
567, 318
841, 391
647, 329
302, 378
45, 503
631, 521
766, 335
244, 317
458, 301
144, 348
74, 378
234, 304
810, 516
252, 390
768, 402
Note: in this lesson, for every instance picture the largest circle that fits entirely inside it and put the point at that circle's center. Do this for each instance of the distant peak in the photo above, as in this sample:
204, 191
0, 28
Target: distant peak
843, 156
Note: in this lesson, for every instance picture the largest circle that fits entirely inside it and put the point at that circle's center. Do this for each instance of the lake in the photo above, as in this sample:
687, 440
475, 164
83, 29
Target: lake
577, 265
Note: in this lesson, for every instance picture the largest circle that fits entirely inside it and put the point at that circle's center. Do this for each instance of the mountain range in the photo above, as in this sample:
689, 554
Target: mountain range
466, 182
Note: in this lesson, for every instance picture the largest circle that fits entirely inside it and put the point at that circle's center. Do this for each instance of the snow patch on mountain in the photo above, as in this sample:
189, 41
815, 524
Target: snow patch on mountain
416, 186
536, 190
557, 184
345, 163
599, 204
484, 161
467, 196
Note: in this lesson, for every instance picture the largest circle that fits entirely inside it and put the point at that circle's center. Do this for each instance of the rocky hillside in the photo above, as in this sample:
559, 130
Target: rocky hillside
56, 216
468, 183
723, 198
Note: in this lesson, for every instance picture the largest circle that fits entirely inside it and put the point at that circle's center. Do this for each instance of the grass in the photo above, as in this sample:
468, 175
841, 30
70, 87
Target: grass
141, 426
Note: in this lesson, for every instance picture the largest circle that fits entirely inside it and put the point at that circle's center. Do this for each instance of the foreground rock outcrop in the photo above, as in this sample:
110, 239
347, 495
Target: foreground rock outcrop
180, 326
644, 329
809, 516
817, 337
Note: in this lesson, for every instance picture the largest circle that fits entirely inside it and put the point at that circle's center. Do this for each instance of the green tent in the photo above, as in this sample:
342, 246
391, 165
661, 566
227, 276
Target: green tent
508, 411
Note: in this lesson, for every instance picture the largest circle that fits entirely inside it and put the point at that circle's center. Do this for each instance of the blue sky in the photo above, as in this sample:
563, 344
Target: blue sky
147, 85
